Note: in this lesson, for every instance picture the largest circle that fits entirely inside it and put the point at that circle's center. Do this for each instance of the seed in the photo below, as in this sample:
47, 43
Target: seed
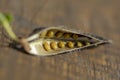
61, 44
43, 34
54, 45
66, 35
59, 34
46, 46
70, 44
75, 36
79, 44
87, 43
50, 33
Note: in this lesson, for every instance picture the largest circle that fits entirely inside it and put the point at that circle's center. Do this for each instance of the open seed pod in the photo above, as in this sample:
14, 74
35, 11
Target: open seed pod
52, 40
56, 40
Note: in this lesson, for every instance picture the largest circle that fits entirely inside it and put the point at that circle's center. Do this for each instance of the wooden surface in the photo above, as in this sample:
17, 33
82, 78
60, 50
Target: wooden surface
100, 17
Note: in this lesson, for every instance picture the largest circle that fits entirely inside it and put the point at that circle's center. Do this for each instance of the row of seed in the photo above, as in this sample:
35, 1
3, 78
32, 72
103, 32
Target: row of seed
60, 34
48, 46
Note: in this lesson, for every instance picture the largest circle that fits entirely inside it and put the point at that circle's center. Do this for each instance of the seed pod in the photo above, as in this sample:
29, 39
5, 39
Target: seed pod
55, 40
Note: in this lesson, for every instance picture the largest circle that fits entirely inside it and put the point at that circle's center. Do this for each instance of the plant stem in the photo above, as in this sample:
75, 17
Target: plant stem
5, 23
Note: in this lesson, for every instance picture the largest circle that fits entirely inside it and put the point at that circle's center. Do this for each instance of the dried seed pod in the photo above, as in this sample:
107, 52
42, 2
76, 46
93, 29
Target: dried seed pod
55, 40
50, 42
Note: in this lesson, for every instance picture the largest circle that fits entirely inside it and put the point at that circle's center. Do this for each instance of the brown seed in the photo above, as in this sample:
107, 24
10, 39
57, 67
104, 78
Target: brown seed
61, 44
75, 36
70, 44
67, 35
50, 34
46, 46
79, 44
59, 34
54, 45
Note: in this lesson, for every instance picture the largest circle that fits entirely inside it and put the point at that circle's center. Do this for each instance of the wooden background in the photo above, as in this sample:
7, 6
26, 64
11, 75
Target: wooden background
101, 17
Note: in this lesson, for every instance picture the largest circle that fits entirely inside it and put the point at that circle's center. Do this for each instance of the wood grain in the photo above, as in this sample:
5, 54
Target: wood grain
101, 17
